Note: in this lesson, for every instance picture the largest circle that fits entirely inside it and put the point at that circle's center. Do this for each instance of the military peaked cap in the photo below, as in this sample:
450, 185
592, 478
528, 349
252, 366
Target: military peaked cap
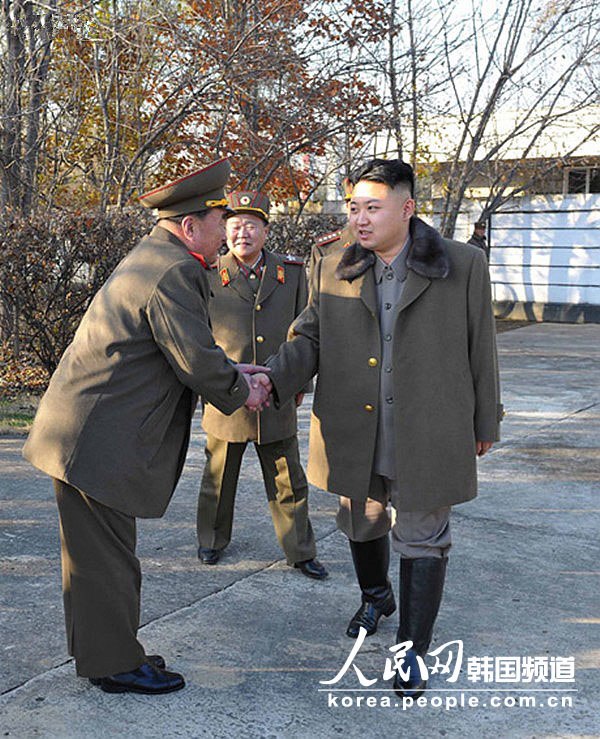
193, 193
250, 201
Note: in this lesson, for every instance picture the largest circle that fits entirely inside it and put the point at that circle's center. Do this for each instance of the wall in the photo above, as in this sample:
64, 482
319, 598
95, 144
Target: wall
545, 257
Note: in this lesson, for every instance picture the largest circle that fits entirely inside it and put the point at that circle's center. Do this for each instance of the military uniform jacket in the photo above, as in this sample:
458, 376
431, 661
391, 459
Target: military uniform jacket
444, 371
331, 243
115, 419
250, 330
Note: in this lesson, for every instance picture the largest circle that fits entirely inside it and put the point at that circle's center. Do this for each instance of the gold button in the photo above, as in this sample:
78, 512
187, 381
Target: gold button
258, 307
260, 339
369, 407
373, 362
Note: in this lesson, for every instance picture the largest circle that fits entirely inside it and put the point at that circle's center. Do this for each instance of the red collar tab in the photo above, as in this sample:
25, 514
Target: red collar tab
200, 258
225, 278
257, 268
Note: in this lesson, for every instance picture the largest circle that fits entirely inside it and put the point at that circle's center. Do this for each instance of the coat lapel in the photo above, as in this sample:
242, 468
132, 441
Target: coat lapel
368, 293
237, 280
364, 285
269, 279
415, 286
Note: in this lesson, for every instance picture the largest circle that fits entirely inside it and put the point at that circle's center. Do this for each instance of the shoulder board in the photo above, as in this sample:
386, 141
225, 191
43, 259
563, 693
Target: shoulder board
293, 259
328, 238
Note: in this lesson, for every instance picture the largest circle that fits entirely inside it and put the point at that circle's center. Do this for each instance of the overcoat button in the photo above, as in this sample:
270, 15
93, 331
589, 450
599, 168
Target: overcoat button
369, 407
260, 339
373, 362
258, 307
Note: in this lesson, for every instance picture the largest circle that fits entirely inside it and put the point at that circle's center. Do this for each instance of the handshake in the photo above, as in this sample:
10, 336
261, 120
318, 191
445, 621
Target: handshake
259, 385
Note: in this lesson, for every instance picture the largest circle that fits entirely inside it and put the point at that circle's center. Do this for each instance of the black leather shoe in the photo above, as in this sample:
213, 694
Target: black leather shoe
415, 685
153, 659
368, 615
147, 679
208, 556
312, 568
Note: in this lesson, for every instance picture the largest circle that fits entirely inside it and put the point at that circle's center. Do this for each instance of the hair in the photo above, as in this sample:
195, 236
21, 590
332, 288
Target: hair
392, 172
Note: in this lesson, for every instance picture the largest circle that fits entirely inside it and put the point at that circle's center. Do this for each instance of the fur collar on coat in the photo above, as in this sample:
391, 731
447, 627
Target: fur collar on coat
427, 255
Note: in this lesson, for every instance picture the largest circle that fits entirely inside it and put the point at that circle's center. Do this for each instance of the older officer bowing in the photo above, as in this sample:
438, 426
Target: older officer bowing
256, 295
113, 426
399, 327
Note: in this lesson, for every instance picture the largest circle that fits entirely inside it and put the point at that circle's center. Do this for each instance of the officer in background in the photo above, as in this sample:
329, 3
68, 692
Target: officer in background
336, 240
330, 243
479, 238
256, 295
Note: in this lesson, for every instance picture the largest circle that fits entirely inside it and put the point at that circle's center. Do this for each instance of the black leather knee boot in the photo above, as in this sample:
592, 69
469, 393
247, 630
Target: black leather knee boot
371, 562
421, 589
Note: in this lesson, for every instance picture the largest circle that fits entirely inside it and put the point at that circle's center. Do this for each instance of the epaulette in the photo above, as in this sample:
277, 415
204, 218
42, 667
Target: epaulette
328, 238
293, 259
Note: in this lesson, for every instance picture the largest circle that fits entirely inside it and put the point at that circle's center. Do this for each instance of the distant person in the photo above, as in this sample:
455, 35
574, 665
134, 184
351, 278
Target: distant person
336, 240
479, 238
113, 427
257, 294
330, 243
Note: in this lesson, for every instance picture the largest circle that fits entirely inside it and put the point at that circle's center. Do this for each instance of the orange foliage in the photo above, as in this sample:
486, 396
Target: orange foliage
202, 79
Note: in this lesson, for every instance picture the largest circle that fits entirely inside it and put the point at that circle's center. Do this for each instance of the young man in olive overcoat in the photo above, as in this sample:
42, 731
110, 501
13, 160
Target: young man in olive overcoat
399, 328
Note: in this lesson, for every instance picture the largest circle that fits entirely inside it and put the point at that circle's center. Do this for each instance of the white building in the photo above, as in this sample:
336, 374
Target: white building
545, 241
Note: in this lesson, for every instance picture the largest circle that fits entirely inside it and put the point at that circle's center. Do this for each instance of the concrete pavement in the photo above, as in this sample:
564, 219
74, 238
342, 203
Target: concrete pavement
254, 637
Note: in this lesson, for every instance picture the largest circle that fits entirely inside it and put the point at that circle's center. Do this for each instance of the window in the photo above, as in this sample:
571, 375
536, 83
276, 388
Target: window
583, 180
577, 180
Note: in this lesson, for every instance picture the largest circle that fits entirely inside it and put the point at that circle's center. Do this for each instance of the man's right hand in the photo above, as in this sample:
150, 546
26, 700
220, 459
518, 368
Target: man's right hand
483, 447
251, 369
260, 388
